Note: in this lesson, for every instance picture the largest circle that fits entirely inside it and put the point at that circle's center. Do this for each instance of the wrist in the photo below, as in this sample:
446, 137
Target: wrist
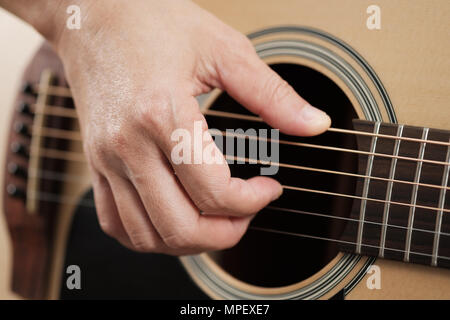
50, 18
60, 30
43, 15
94, 16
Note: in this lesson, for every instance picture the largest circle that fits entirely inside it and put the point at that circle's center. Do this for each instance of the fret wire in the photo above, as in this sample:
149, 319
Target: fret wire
365, 192
439, 213
389, 193
412, 209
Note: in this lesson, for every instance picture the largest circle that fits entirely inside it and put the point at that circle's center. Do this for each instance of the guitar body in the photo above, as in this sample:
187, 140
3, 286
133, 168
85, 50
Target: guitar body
397, 74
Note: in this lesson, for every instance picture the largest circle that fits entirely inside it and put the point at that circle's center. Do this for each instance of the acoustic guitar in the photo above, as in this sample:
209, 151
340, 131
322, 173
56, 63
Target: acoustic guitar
365, 212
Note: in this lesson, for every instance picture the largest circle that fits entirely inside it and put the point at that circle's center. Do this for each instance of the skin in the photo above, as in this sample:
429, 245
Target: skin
135, 68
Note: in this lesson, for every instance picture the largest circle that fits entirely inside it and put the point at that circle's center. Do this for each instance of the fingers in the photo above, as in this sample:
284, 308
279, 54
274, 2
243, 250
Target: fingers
141, 232
107, 212
257, 87
209, 183
177, 219
146, 203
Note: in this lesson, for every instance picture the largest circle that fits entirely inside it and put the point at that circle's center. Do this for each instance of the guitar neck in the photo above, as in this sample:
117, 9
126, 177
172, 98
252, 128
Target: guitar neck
401, 210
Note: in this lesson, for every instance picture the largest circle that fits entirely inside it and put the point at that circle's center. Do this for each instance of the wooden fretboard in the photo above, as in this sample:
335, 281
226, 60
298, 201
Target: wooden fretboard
397, 220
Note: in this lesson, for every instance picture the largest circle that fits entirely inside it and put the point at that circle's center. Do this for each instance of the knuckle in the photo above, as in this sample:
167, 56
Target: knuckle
107, 227
213, 201
101, 149
94, 149
118, 142
278, 89
141, 242
181, 240
111, 148
156, 115
142, 247
213, 196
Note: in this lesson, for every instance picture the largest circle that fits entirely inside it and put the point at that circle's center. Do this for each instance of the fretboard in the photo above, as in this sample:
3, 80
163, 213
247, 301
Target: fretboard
404, 198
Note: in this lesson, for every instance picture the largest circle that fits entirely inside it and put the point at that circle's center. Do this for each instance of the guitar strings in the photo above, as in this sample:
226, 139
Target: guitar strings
75, 135
339, 241
308, 145
53, 197
46, 153
91, 204
65, 92
64, 112
65, 155
73, 156
231, 115
49, 175
349, 174
79, 157
323, 215
57, 176
48, 132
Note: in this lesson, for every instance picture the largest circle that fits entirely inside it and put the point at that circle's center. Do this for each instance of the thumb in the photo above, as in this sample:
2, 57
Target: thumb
262, 91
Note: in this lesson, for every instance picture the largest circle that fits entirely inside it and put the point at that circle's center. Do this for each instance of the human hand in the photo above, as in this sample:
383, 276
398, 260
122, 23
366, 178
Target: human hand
135, 70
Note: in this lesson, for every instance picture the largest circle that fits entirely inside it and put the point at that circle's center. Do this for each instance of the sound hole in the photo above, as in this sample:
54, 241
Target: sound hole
272, 259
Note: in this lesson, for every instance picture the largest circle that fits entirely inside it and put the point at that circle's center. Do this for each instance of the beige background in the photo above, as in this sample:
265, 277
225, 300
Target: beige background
17, 42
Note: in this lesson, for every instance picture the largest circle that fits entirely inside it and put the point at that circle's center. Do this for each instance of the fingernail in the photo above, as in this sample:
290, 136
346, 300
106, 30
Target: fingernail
310, 113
